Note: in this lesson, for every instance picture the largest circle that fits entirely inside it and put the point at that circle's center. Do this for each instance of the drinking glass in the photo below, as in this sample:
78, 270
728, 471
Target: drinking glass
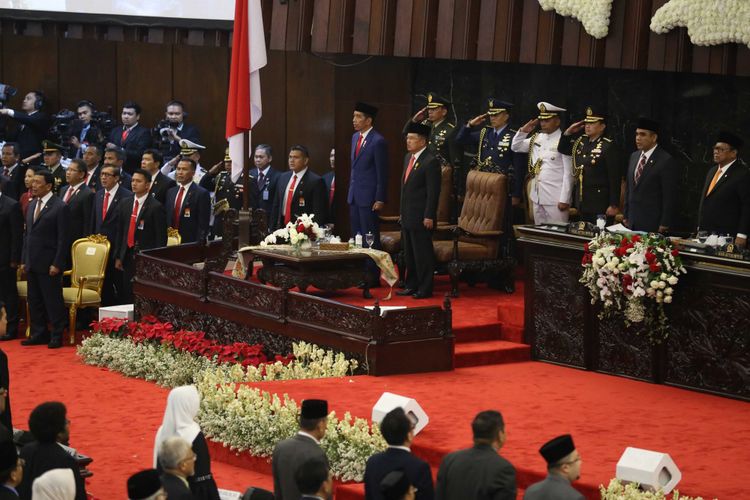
370, 239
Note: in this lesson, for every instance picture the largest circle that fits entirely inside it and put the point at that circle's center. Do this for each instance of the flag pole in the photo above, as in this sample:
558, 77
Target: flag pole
244, 217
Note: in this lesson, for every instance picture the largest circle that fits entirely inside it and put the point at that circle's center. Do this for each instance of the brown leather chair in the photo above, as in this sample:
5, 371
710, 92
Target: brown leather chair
477, 236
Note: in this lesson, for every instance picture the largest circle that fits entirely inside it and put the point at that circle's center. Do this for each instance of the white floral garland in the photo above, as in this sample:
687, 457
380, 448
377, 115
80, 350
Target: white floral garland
630, 491
708, 22
593, 14
240, 417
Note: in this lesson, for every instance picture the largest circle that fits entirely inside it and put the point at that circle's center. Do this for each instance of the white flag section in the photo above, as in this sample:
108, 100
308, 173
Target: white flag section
244, 107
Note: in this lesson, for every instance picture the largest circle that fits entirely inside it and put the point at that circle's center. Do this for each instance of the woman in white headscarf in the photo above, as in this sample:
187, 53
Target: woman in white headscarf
183, 404
55, 484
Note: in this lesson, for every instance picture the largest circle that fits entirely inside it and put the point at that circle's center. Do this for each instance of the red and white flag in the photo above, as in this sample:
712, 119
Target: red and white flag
248, 56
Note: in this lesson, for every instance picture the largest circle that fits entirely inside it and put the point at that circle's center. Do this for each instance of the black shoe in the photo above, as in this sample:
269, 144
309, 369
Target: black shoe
34, 341
405, 292
7, 337
422, 295
54, 344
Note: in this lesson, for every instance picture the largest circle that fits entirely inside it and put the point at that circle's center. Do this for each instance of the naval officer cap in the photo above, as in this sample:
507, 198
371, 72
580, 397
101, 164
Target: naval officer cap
51, 147
729, 138
496, 106
647, 124
418, 128
594, 115
367, 109
558, 448
313, 409
188, 147
435, 101
547, 110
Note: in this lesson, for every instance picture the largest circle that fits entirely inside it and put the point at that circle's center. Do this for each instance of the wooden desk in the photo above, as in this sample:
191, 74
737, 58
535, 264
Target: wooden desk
324, 270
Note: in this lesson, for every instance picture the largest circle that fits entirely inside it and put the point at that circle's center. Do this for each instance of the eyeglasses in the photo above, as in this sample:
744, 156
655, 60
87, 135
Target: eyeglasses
107, 174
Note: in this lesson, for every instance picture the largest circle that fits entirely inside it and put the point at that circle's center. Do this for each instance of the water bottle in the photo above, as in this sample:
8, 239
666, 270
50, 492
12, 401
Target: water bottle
358, 240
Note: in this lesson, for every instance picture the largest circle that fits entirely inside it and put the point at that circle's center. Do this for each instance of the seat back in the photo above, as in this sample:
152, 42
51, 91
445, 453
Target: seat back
445, 201
484, 206
89, 257
173, 237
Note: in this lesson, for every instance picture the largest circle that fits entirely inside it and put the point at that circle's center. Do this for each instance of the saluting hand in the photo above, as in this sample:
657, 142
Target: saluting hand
530, 125
419, 115
477, 120
575, 128
216, 168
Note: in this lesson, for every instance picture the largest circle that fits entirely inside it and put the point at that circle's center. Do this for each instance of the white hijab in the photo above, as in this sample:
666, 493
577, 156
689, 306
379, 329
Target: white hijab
55, 484
183, 404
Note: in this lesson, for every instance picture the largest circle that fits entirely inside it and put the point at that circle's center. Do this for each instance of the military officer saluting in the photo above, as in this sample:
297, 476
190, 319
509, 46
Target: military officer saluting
493, 141
227, 193
598, 166
53, 161
434, 114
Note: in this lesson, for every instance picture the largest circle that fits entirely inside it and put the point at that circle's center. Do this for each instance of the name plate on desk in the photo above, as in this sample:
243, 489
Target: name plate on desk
731, 252
582, 229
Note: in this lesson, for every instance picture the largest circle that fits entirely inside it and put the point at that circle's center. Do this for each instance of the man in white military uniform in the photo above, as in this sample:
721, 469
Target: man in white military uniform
551, 172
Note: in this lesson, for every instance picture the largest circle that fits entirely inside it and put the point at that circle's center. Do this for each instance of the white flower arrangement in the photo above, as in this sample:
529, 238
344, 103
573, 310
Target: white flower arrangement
295, 233
631, 491
708, 23
593, 14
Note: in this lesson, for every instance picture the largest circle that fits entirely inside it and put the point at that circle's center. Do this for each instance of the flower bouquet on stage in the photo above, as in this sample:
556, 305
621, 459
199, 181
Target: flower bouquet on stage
299, 234
634, 276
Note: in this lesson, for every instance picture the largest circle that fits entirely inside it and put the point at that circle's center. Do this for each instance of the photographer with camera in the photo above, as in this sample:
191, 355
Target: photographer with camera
132, 137
86, 129
169, 132
32, 124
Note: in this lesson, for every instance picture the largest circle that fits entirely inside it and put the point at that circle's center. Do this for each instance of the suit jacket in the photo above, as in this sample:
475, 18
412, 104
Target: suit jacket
497, 147
189, 132
79, 206
175, 487
95, 182
269, 186
7, 494
14, 185
288, 456
553, 486
653, 201
60, 179
369, 178
476, 473
94, 135
150, 226
421, 191
727, 208
310, 197
31, 132
380, 464
138, 140
43, 457
11, 227
47, 242
108, 226
160, 185
194, 213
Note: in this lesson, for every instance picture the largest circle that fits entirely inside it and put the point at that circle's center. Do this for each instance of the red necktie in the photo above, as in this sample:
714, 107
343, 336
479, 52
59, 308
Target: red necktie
359, 145
177, 207
639, 168
289, 198
131, 229
69, 194
6, 171
104, 205
125, 134
408, 169
333, 190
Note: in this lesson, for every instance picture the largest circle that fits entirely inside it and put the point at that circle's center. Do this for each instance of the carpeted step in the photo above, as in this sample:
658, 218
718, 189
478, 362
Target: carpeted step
510, 314
490, 353
477, 333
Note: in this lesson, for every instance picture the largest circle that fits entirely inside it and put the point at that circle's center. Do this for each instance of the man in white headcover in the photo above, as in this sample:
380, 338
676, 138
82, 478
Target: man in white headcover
55, 484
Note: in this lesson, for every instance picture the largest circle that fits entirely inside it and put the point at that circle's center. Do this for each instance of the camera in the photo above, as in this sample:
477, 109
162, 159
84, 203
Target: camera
6, 92
60, 130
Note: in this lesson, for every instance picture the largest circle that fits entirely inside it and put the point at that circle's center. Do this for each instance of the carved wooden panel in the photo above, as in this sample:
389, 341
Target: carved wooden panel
709, 347
233, 292
328, 314
622, 350
559, 310
412, 324
173, 275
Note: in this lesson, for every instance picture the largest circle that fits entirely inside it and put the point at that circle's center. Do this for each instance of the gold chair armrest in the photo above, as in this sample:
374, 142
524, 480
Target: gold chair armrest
389, 218
68, 272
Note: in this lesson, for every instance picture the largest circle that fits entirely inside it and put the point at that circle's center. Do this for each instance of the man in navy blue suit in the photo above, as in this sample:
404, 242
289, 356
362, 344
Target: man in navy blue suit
45, 252
398, 432
188, 205
104, 221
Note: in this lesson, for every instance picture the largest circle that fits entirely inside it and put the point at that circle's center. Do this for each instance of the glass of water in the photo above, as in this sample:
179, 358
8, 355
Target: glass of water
370, 239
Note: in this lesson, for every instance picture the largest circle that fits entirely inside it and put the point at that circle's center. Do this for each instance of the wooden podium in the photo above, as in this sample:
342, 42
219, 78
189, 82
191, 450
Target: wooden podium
708, 348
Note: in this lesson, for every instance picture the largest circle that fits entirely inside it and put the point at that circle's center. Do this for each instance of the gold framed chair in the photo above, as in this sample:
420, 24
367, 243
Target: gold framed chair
173, 237
23, 294
89, 259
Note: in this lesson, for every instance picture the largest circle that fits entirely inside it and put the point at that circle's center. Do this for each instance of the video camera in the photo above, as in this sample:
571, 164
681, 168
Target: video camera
60, 130
6, 92
162, 135
101, 125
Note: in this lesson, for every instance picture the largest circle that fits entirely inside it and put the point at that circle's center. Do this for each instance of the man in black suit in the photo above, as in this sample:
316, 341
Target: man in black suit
13, 170
133, 137
420, 190
33, 124
330, 179
142, 224
45, 253
11, 227
105, 220
93, 158
188, 205
266, 177
314, 480
52, 160
652, 183
177, 460
398, 432
79, 198
480, 471
82, 131
160, 183
177, 129
725, 199
299, 191
115, 157
11, 470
